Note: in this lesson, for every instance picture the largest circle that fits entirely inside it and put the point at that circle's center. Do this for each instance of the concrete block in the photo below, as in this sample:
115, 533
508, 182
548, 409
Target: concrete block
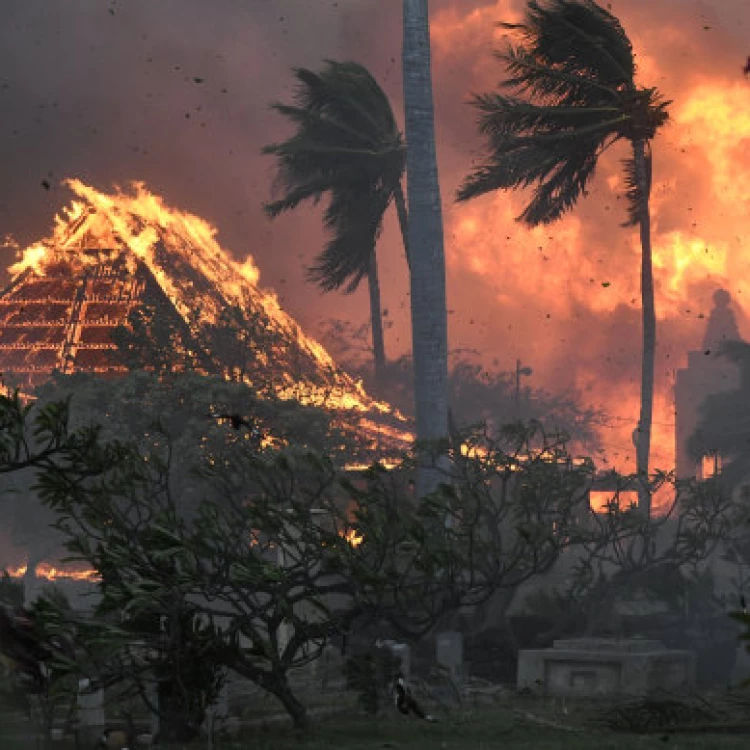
603, 666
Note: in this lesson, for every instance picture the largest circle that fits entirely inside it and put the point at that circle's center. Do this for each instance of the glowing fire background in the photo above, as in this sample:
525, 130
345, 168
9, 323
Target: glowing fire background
176, 94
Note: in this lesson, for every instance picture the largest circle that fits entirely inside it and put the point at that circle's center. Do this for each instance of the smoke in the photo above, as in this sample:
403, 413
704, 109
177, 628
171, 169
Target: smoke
176, 94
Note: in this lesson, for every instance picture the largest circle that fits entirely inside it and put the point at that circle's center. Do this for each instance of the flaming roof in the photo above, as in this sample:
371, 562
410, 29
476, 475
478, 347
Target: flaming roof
111, 253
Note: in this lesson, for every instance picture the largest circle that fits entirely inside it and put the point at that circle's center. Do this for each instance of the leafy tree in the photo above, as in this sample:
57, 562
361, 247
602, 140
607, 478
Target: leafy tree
268, 559
40, 654
347, 145
577, 70
32, 436
145, 633
194, 410
620, 553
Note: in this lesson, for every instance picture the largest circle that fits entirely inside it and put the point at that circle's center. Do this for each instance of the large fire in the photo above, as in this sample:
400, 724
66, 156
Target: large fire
142, 224
566, 298
53, 573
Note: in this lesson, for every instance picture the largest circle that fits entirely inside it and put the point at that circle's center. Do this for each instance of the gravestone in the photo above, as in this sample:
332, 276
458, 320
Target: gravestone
449, 648
605, 666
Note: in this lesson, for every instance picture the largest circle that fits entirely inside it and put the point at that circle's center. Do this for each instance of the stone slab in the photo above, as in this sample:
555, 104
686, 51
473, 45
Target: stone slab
634, 667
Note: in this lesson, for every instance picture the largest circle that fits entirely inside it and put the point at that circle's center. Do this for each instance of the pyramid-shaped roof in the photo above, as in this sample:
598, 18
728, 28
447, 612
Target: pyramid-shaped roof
109, 254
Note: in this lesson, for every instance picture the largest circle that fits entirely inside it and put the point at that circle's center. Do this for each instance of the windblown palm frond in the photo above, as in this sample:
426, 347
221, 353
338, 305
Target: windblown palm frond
579, 36
347, 145
636, 200
574, 96
355, 219
555, 149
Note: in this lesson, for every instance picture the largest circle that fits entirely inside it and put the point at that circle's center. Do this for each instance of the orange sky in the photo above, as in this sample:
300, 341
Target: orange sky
544, 295
113, 98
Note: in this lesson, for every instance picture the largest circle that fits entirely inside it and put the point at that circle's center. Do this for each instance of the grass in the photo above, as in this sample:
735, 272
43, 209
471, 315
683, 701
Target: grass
511, 722
478, 729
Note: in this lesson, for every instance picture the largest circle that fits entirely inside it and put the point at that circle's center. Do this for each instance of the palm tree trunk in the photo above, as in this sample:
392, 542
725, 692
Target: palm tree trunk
643, 180
403, 221
428, 306
376, 318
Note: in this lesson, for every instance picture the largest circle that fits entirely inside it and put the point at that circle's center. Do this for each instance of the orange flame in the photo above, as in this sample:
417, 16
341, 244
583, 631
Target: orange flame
53, 573
353, 538
144, 225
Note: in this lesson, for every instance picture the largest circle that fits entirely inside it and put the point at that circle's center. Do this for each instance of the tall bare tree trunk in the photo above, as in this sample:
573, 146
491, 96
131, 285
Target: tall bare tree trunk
643, 442
425, 246
376, 319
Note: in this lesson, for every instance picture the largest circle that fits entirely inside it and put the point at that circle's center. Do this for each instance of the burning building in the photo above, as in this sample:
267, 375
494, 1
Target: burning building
111, 254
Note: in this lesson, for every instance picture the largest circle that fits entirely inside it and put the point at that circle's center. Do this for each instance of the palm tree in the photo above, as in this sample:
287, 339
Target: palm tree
428, 307
347, 145
576, 69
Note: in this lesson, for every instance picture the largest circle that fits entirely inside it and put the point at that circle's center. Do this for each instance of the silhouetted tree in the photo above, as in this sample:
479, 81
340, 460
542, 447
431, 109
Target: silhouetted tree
348, 146
576, 69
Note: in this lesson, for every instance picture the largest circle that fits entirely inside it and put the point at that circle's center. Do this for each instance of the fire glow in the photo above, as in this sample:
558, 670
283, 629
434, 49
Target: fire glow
53, 573
568, 295
140, 226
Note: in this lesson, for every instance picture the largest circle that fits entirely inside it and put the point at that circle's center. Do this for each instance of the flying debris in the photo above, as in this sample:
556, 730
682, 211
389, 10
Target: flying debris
746, 69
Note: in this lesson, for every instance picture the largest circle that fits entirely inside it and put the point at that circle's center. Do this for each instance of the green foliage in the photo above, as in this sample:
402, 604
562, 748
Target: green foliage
144, 408
621, 555
262, 559
34, 435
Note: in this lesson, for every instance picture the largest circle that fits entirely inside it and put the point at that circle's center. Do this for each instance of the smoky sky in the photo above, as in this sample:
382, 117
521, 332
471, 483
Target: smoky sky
176, 94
